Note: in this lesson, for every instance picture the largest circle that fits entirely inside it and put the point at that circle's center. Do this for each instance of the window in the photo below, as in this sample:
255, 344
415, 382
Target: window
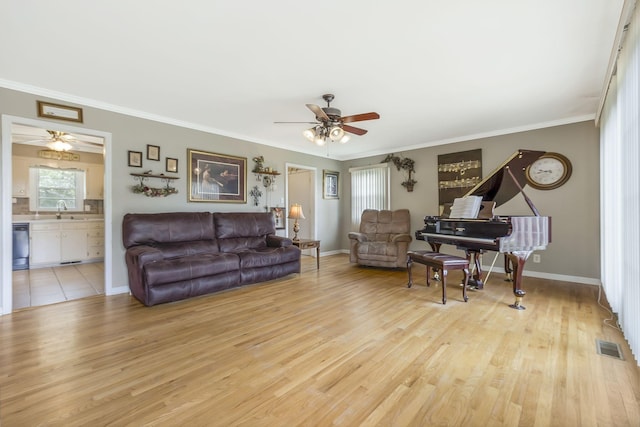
369, 190
50, 187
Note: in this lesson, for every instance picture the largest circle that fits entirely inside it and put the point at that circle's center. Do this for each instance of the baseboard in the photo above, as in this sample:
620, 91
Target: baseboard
119, 290
526, 273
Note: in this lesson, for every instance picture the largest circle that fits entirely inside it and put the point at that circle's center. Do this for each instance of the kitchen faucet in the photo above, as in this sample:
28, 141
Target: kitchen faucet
64, 205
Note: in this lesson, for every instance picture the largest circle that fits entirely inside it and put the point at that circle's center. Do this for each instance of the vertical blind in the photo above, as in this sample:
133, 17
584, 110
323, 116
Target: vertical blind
369, 190
620, 188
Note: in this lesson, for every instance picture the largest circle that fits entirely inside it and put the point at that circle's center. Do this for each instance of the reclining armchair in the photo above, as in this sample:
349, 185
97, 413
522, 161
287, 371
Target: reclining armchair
383, 239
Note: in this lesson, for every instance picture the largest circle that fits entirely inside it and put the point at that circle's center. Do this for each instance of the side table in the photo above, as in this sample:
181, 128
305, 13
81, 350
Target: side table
309, 244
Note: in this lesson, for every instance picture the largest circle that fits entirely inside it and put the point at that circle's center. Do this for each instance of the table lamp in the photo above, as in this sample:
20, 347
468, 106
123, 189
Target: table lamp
295, 212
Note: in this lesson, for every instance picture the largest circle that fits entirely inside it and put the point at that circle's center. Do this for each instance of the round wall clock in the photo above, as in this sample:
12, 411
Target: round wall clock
550, 171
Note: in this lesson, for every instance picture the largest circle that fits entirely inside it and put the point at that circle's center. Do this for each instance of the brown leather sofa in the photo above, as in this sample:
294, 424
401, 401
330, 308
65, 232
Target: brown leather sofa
178, 255
383, 239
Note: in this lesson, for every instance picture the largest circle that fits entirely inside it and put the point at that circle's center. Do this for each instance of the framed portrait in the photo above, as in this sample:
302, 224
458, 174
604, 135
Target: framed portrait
135, 159
216, 177
171, 165
153, 152
279, 214
330, 184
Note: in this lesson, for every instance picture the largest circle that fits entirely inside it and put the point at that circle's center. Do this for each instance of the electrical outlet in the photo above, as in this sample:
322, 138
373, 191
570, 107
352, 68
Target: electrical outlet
536, 258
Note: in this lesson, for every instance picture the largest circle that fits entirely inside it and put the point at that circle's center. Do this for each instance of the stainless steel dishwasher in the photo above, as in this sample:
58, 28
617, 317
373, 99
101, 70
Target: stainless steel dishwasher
20, 246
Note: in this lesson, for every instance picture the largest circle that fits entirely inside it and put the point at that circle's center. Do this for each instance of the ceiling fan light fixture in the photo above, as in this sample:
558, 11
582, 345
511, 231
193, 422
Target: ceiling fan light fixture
59, 145
320, 140
345, 138
310, 134
336, 133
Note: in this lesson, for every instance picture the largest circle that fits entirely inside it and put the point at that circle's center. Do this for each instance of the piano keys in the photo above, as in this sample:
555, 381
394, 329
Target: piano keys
515, 236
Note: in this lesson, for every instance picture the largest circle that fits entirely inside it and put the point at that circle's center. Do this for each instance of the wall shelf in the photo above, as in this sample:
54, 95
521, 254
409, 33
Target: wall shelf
148, 191
150, 175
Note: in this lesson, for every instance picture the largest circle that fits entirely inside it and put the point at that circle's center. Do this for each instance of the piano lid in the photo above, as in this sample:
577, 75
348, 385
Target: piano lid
499, 186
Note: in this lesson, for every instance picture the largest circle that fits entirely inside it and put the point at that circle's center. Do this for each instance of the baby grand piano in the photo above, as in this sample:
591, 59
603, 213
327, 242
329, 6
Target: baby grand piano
515, 236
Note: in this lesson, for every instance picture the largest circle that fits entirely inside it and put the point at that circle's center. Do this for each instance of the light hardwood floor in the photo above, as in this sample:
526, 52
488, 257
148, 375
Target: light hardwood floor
343, 346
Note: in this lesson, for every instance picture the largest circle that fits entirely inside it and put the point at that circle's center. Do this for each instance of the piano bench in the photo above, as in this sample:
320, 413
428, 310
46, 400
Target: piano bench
442, 262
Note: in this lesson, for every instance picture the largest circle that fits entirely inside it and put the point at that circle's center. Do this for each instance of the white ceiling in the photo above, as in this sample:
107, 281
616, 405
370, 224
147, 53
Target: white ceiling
436, 71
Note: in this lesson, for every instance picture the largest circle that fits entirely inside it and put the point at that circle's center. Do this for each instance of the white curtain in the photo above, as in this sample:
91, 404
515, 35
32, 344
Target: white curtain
620, 188
369, 190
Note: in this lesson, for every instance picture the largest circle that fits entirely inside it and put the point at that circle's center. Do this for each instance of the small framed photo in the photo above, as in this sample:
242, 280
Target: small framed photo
172, 165
135, 159
153, 152
330, 184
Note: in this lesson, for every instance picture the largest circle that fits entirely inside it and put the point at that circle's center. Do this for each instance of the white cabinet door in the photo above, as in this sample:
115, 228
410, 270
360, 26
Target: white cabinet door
73, 242
20, 176
45, 244
95, 182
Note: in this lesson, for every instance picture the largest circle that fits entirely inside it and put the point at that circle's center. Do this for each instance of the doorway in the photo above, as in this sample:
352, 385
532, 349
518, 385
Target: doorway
10, 125
301, 189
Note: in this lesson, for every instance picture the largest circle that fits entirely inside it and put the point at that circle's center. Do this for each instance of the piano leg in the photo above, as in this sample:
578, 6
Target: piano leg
508, 270
518, 260
474, 257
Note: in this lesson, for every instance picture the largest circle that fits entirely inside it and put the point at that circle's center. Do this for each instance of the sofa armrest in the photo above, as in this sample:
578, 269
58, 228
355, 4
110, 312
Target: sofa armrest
141, 255
358, 236
274, 241
401, 238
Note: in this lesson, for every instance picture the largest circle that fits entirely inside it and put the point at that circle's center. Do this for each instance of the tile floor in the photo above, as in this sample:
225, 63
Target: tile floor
44, 286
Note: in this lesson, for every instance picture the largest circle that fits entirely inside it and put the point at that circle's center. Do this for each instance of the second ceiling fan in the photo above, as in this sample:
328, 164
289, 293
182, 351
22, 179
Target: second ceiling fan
331, 125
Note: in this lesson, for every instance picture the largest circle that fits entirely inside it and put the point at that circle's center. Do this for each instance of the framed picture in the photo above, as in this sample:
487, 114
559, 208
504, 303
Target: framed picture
135, 159
216, 177
153, 152
279, 214
172, 165
330, 184
59, 112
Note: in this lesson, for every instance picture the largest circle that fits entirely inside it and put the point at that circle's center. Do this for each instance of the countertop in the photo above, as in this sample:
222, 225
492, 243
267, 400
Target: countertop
52, 218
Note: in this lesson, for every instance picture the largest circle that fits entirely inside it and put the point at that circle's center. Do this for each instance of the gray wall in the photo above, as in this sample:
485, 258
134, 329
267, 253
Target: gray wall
574, 207
131, 133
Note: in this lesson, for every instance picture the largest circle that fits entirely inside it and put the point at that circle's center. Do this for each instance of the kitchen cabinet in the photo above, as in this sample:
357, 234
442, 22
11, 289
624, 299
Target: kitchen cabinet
73, 241
95, 181
45, 244
55, 242
20, 176
95, 240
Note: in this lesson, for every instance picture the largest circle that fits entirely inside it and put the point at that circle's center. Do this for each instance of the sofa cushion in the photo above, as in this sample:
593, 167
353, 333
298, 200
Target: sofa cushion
236, 231
181, 249
265, 257
171, 227
189, 267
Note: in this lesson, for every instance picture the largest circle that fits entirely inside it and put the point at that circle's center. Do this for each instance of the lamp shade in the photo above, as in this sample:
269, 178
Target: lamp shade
295, 211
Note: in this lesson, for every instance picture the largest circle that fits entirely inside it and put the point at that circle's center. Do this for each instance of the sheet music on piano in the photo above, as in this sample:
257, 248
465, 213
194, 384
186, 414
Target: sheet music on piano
466, 207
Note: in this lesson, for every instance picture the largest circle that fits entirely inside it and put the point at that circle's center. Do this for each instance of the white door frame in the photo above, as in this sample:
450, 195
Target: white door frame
6, 230
312, 190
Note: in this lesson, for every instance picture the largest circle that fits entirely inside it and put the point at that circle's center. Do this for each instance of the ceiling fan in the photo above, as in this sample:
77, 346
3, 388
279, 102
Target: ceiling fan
56, 140
331, 124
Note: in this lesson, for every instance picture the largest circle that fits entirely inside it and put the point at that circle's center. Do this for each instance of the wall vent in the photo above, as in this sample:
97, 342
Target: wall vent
610, 349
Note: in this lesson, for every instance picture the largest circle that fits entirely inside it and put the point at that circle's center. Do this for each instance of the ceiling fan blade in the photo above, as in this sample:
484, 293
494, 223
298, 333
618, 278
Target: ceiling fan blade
360, 117
320, 114
354, 130
309, 123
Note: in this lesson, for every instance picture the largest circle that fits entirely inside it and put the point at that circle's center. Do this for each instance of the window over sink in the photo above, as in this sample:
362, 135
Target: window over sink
56, 188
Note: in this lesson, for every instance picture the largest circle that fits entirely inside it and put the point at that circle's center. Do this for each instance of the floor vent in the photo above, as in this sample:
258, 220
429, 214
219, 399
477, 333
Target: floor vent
610, 349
